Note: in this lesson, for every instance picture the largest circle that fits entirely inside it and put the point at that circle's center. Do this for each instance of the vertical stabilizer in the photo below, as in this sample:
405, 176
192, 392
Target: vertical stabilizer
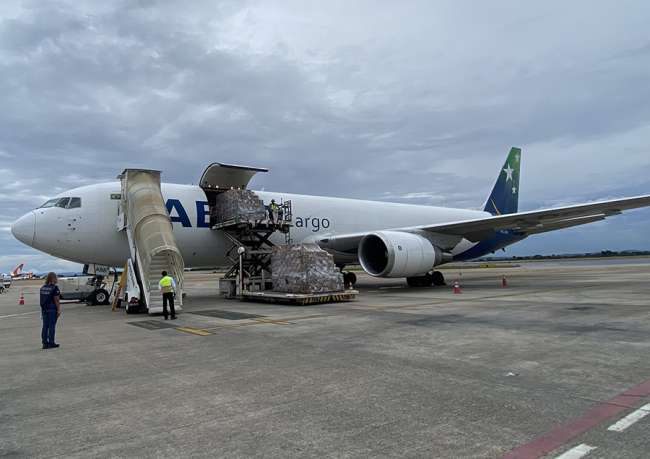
504, 198
17, 270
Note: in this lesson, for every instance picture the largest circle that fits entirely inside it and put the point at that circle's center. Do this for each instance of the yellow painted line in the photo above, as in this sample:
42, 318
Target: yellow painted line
313, 316
436, 301
261, 321
271, 321
370, 307
194, 331
244, 324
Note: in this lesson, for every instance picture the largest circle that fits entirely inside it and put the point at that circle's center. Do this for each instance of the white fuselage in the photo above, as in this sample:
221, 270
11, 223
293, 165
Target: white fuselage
88, 234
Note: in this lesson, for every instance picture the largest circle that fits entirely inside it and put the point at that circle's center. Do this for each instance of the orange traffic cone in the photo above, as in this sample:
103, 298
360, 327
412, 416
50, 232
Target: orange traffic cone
504, 282
21, 301
456, 287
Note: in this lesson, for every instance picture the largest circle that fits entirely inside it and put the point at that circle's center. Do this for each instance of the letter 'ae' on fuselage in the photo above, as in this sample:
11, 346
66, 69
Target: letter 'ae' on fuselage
387, 239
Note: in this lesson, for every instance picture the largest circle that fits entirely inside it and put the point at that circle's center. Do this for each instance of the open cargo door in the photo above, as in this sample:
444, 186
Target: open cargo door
221, 177
218, 178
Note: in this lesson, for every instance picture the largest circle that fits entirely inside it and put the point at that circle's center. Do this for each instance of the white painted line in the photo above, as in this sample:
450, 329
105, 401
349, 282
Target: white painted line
577, 452
21, 314
630, 419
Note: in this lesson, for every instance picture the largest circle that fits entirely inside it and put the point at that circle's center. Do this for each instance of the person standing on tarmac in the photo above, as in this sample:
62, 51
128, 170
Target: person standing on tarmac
50, 310
167, 286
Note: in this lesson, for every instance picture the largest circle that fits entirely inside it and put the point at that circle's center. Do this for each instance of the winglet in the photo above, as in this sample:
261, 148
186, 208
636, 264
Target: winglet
504, 198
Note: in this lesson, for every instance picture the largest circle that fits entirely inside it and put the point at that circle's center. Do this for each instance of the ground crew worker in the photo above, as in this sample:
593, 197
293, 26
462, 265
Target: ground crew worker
167, 286
50, 310
274, 211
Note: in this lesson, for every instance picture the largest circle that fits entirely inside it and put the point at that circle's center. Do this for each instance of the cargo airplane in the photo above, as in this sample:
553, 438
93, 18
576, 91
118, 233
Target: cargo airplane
386, 239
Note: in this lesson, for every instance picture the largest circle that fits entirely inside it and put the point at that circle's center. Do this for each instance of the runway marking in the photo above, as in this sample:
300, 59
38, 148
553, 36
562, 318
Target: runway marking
279, 321
437, 300
566, 432
271, 321
18, 315
194, 331
370, 307
630, 419
313, 316
577, 452
433, 301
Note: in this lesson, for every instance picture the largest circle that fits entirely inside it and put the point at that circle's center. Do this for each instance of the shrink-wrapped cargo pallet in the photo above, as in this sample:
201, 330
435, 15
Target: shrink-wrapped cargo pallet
238, 204
304, 268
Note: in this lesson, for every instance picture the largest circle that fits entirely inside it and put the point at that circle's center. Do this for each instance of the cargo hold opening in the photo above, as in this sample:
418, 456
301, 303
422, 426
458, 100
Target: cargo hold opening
218, 178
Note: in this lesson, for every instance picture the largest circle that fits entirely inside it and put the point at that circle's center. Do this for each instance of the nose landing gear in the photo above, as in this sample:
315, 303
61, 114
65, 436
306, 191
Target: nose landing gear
99, 296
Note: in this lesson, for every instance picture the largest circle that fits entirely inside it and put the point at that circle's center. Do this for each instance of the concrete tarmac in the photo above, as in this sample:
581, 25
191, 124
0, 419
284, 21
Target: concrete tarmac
540, 368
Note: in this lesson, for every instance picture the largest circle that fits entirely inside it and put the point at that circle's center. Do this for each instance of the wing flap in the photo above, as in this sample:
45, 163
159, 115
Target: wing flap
569, 223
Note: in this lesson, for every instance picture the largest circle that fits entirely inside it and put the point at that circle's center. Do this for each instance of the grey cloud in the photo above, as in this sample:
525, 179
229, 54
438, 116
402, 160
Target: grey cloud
415, 103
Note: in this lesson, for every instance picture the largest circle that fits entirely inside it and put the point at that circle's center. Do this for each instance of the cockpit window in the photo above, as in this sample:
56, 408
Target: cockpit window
50, 203
64, 203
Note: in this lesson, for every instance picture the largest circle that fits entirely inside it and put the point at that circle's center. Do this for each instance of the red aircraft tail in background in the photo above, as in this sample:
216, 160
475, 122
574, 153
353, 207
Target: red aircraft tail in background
17, 270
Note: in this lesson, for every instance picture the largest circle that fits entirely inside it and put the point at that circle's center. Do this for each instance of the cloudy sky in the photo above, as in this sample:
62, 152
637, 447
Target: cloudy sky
403, 101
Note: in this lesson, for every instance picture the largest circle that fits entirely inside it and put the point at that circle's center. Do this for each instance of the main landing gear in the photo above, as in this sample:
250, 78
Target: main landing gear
349, 278
432, 278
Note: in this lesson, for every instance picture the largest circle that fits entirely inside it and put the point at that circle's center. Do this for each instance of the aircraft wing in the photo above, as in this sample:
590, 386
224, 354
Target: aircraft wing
523, 223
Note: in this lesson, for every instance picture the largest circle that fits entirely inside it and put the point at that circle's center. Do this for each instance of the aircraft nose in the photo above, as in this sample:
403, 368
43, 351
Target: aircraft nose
24, 228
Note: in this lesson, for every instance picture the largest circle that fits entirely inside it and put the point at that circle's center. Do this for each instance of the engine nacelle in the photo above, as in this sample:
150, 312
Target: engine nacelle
397, 254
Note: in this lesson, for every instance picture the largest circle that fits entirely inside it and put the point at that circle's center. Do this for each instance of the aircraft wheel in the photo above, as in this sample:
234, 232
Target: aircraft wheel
99, 297
438, 278
420, 281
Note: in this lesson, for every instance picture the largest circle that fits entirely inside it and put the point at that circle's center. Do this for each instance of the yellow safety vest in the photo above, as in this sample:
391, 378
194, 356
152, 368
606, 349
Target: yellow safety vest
166, 284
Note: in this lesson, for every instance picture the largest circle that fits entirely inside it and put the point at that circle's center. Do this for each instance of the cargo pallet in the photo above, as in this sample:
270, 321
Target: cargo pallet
230, 289
298, 299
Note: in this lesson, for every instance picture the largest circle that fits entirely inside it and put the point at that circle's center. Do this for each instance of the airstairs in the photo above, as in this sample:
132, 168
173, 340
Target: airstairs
151, 240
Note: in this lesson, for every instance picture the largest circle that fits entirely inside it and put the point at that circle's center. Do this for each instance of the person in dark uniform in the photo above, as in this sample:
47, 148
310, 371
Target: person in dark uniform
167, 286
50, 310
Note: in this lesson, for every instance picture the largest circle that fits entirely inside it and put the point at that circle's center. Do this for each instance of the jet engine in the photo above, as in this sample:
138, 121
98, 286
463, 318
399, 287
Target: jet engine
398, 254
